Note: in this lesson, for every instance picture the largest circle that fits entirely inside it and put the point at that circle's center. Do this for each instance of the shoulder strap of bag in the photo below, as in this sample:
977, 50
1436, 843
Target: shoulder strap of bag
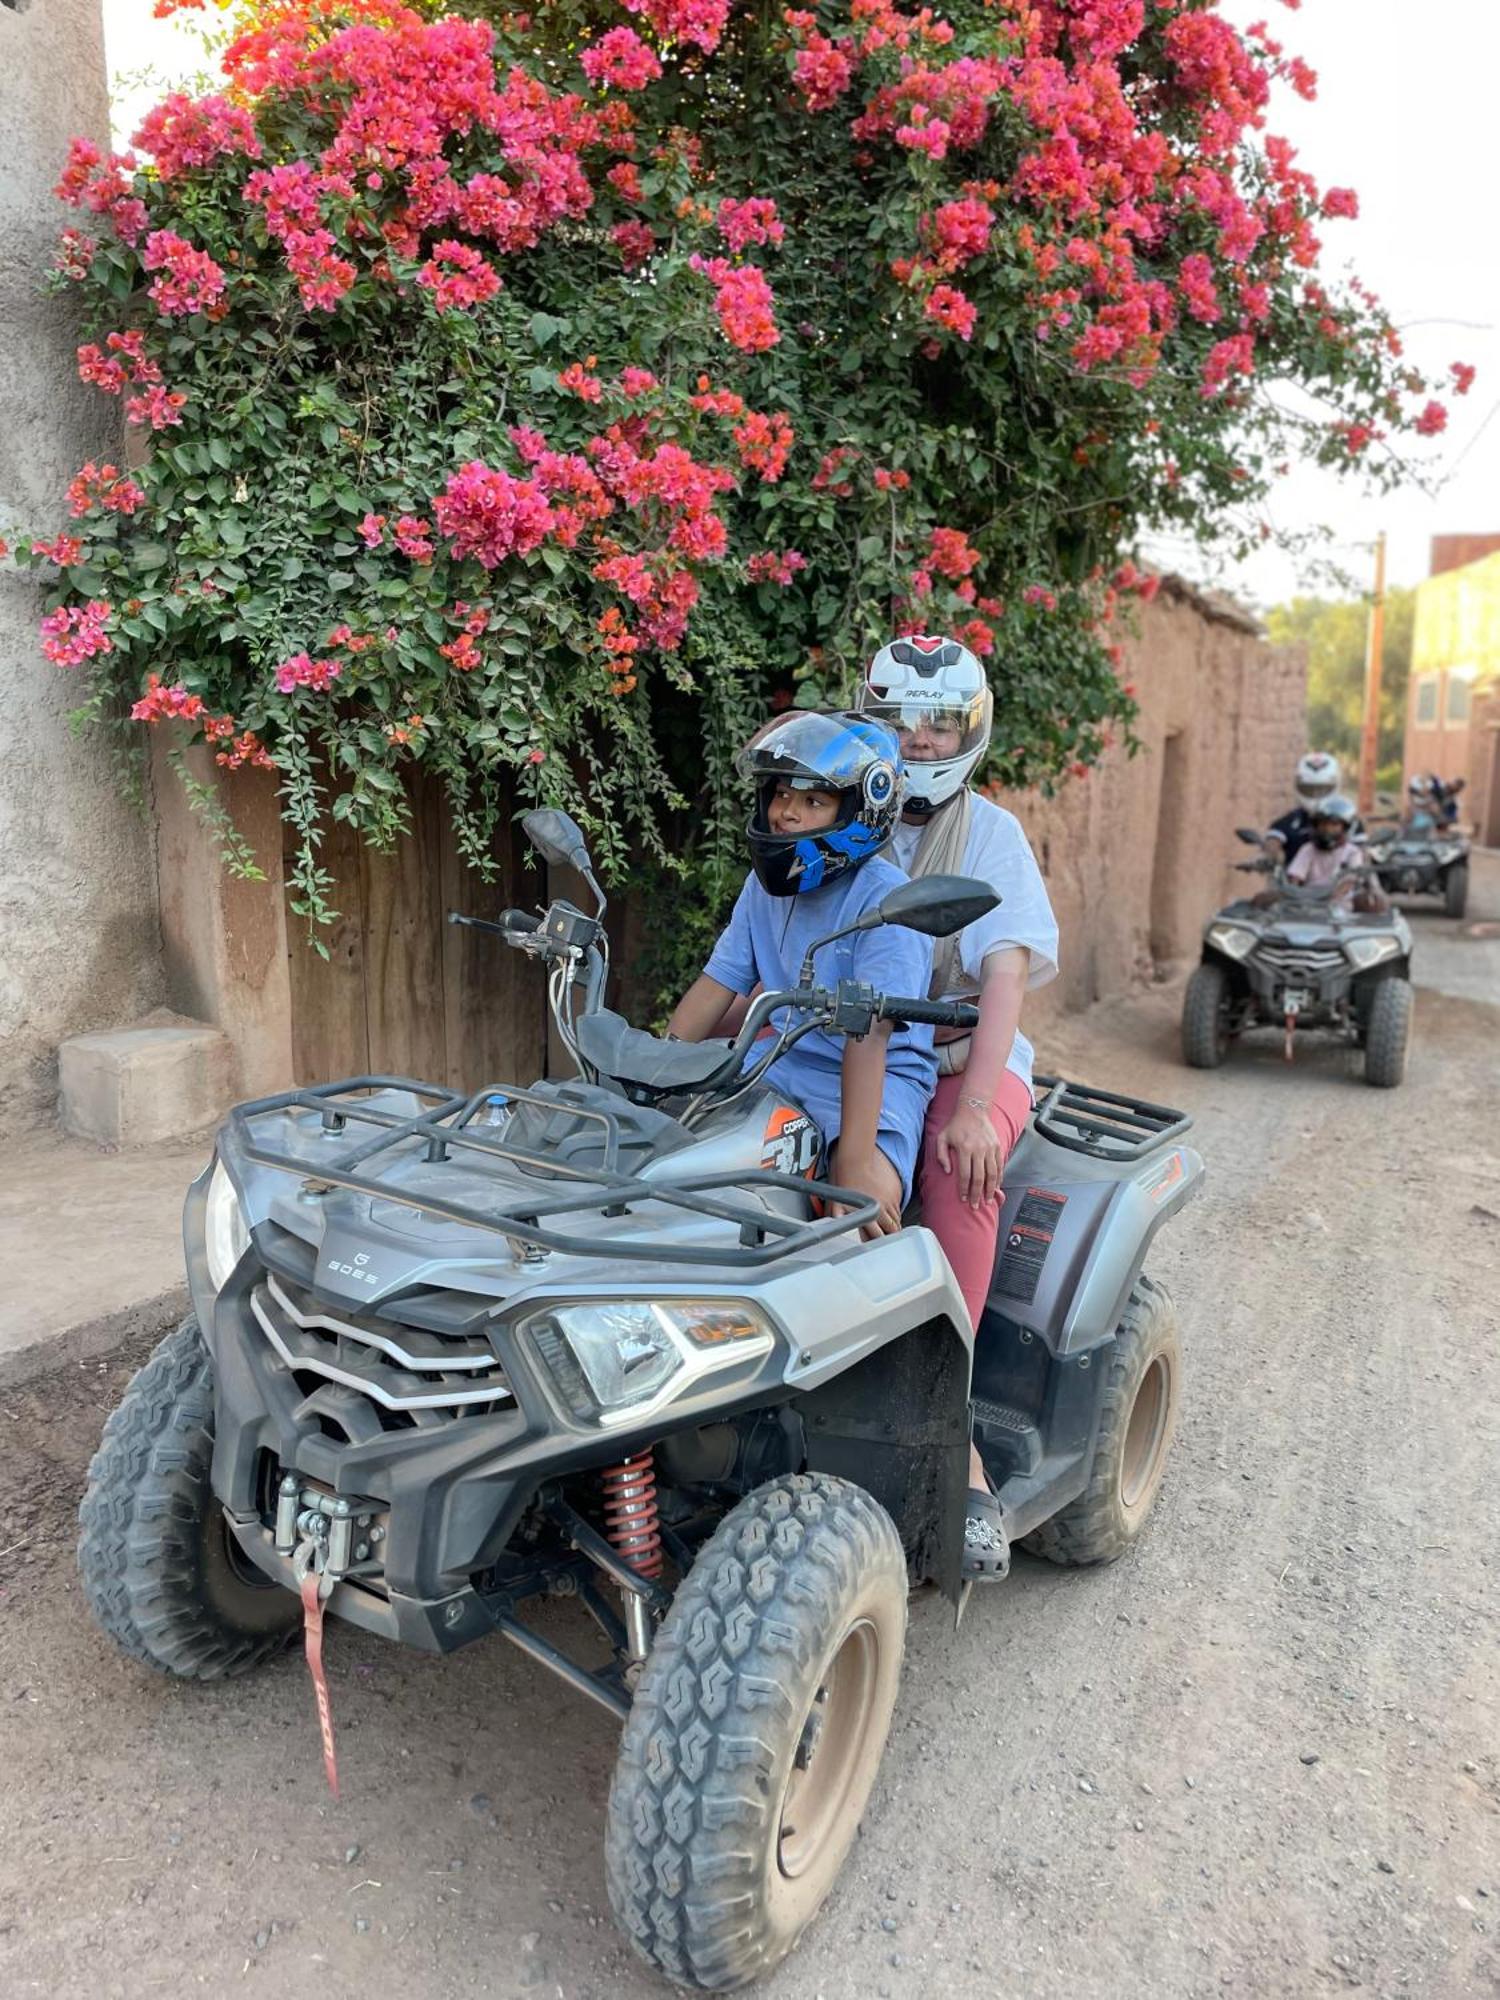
940, 851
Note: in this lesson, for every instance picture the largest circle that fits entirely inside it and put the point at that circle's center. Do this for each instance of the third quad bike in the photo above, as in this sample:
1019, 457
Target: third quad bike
1418, 861
1298, 960
599, 1338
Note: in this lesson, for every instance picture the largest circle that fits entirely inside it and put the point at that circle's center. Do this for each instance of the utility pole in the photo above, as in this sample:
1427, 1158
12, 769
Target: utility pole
1370, 733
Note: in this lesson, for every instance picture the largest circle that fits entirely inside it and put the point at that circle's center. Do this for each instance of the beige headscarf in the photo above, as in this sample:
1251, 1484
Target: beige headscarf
941, 851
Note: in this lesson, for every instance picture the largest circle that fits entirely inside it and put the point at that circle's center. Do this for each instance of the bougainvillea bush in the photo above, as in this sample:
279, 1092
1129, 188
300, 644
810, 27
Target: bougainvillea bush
543, 397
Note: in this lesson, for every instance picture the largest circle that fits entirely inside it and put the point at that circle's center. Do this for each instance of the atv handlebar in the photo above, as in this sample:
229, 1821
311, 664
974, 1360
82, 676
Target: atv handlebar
941, 1013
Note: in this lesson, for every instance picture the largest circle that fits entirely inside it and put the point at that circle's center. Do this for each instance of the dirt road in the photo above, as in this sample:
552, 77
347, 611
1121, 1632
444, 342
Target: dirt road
1261, 1756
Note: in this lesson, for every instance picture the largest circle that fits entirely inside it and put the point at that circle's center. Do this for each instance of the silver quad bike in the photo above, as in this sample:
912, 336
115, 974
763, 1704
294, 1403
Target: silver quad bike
1423, 859
1299, 959
602, 1339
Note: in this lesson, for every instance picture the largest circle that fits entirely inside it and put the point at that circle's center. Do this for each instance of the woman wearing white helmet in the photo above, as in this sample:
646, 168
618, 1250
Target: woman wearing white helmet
934, 693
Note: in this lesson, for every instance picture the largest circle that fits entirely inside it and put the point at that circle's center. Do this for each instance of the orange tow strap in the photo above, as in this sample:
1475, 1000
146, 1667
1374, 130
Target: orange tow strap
312, 1645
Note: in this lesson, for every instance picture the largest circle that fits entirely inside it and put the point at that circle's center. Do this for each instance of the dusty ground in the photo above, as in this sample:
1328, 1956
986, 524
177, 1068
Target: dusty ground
1261, 1756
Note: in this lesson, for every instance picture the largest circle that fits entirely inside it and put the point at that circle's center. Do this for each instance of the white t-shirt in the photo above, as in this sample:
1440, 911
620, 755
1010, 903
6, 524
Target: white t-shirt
999, 853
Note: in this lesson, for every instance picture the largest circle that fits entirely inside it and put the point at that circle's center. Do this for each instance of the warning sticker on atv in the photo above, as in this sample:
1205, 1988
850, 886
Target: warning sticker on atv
792, 1142
1028, 1238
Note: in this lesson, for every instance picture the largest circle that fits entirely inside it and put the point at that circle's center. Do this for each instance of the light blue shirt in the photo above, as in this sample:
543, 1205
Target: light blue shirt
765, 942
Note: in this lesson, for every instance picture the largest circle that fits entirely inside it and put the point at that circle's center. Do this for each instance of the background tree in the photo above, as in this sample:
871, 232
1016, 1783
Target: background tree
1335, 637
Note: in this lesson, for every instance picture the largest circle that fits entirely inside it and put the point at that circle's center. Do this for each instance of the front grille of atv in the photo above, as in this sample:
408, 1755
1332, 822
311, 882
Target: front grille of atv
1300, 965
362, 1374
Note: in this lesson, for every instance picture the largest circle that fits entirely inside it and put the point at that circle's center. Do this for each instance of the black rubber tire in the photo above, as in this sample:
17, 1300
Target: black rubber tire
158, 1568
1456, 889
694, 1854
1110, 1515
1389, 1033
1205, 1042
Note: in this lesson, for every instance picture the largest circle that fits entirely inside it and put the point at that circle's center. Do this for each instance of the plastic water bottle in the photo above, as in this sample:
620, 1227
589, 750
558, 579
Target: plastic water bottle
494, 1114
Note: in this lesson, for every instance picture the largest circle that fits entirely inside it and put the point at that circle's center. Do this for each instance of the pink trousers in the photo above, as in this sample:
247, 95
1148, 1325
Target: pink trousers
968, 1235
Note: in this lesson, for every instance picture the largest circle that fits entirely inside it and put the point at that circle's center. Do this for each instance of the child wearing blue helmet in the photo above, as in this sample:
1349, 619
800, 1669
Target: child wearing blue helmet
827, 800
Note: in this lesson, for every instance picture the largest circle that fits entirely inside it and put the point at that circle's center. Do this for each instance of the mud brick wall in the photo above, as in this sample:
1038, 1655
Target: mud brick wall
1138, 853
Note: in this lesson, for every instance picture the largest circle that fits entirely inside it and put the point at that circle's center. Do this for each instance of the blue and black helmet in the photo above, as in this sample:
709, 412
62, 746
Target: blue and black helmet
853, 755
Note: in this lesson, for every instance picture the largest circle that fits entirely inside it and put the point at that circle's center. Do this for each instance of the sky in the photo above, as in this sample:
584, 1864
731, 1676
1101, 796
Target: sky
1405, 115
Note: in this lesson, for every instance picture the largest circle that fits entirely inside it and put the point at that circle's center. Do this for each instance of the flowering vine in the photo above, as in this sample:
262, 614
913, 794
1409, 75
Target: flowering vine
543, 396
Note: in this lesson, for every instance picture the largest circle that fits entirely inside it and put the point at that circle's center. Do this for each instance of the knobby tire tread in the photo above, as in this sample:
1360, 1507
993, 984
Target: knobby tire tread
1202, 1009
1088, 1529
140, 1519
1389, 1033
710, 1716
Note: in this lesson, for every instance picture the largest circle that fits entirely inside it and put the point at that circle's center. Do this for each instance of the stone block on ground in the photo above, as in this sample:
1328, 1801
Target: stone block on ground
160, 1079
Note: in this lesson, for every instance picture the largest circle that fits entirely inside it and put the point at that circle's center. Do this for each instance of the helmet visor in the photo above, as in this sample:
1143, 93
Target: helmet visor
933, 728
814, 749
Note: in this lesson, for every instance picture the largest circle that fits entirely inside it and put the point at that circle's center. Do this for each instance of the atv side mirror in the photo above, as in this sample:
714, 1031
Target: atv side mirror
1249, 835
935, 905
557, 837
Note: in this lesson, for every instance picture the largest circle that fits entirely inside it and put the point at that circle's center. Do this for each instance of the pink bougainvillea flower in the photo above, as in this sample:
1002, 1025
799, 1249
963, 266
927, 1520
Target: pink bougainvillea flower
103, 486
458, 276
742, 223
75, 632
372, 530
1434, 418
1462, 373
743, 300
414, 538
768, 567
764, 443
64, 550
621, 59
947, 306
636, 243
578, 379
188, 280
949, 552
184, 132
160, 703
489, 514
302, 671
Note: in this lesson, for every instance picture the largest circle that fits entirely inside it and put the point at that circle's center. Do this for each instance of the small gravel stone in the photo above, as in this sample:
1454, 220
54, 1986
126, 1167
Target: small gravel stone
1385, 1867
889, 1924
480, 1805
361, 1924
352, 1853
262, 1939
1308, 1757
1191, 1783
1139, 1825
1085, 1786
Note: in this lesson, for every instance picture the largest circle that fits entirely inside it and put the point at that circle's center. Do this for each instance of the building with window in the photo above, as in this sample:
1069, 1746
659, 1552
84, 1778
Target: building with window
1453, 700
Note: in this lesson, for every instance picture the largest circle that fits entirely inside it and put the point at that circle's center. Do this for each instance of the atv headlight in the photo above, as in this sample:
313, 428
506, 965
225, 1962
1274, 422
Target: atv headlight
1364, 952
225, 1237
1232, 939
615, 1361
1445, 852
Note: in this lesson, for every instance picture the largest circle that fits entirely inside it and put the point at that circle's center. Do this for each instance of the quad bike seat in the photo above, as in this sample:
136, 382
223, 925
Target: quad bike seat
630, 1056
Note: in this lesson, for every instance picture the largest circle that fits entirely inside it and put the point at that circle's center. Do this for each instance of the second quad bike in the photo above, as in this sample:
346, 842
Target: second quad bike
1423, 861
600, 1338
1301, 958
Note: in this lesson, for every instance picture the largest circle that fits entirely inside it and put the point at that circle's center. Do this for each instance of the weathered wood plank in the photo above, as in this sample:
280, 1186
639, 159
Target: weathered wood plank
403, 904
329, 1033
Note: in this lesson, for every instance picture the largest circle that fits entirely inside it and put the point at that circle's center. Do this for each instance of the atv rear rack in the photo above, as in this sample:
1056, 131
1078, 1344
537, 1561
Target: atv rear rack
1102, 1124
764, 1234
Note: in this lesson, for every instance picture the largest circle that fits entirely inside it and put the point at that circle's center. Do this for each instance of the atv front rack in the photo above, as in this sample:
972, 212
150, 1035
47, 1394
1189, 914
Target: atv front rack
1103, 1124
764, 1234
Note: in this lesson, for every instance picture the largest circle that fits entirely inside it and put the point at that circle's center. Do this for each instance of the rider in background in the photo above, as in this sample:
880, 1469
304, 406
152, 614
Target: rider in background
1331, 851
935, 695
1317, 778
1421, 809
827, 793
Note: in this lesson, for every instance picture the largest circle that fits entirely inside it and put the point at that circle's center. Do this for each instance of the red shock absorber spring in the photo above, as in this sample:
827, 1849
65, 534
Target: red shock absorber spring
630, 1516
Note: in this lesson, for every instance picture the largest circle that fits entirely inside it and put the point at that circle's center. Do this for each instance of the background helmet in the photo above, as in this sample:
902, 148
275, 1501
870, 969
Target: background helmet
1419, 787
851, 754
918, 679
1317, 777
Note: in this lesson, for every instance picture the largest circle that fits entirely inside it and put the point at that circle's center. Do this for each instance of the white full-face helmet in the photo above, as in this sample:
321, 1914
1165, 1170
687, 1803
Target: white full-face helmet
1317, 777
934, 694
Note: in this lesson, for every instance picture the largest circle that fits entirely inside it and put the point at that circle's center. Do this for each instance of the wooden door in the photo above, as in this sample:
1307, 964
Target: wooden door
403, 992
